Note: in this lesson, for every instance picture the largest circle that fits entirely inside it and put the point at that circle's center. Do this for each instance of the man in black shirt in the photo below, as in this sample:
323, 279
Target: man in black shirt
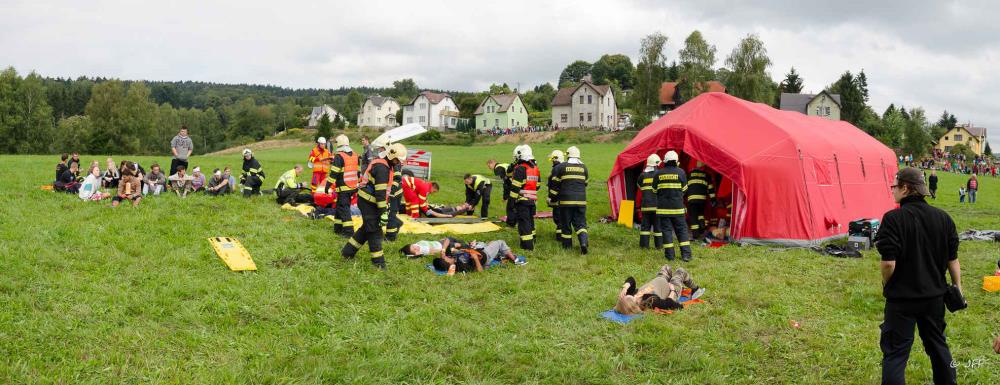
932, 182
918, 242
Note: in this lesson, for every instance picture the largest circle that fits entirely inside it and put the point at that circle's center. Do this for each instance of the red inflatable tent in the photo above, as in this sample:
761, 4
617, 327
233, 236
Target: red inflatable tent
796, 180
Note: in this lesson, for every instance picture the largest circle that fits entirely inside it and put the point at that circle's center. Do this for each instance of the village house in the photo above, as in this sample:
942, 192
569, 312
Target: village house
432, 110
585, 106
501, 111
378, 112
823, 104
670, 95
974, 137
318, 112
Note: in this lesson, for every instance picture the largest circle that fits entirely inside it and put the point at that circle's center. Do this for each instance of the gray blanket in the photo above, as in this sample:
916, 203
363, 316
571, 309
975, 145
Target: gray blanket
980, 235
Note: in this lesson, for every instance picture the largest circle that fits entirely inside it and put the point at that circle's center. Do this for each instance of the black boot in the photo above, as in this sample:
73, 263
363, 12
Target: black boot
348, 251
584, 241
379, 263
669, 254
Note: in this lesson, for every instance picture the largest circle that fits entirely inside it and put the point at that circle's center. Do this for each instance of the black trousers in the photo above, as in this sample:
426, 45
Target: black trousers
650, 226
696, 211
524, 212
670, 224
342, 222
251, 185
556, 218
291, 195
483, 198
511, 212
573, 218
927, 315
177, 162
934, 193
393, 223
370, 232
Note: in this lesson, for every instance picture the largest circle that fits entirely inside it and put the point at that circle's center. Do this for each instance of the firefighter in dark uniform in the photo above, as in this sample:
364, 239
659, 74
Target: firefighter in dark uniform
524, 193
503, 172
571, 181
552, 199
344, 177
253, 174
650, 225
700, 188
373, 200
669, 185
392, 221
478, 188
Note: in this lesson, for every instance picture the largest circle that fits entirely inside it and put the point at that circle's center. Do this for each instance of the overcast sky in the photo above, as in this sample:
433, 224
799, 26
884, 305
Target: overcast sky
935, 54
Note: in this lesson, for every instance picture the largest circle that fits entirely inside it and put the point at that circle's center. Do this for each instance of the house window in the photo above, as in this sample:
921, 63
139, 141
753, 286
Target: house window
958, 137
422, 119
946, 138
484, 122
409, 120
564, 118
496, 122
581, 117
590, 99
512, 123
423, 106
590, 117
581, 99
827, 111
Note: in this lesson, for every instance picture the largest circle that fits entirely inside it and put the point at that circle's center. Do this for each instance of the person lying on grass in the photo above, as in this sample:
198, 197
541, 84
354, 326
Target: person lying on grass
662, 292
472, 257
439, 248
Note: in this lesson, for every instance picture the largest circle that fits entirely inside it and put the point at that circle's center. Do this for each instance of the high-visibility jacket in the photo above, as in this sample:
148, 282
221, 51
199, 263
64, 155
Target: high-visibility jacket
320, 158
648, 202
479, 182
374, 186
571, 182
344, 171
524, 182
503, 172
415, 191
287, 180
699, 186
553, 197
669, 184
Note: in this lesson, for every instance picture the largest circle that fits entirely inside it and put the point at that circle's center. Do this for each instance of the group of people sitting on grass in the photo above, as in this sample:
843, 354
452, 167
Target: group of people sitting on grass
128, 180
454, 255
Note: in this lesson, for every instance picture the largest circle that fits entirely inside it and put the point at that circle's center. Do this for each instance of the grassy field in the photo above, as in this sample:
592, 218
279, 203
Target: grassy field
97, 295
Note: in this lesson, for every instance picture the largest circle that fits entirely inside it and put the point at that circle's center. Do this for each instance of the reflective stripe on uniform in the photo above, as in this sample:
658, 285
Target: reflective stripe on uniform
571, 176
670, 211
527, 237
685, 243
673, 185
668, 245
697, 197
354, 243
572, 203
581, 231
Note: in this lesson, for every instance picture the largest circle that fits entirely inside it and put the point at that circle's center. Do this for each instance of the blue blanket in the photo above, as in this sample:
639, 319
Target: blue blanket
614, 316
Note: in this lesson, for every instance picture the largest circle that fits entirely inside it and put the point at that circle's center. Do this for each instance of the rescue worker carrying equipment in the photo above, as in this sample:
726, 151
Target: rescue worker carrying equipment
524, 193
373, 198
650, 224
570, 180
253, 174
669, 185
343, 178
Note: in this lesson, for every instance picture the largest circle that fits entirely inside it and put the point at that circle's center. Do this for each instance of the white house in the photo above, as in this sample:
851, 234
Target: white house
585, 105
432, 110
318, 112
378, 112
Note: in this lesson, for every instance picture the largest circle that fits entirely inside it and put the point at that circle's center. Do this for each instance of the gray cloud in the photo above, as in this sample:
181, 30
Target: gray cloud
933, 54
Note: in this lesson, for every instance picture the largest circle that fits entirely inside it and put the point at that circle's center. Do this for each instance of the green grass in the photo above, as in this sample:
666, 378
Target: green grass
90, 294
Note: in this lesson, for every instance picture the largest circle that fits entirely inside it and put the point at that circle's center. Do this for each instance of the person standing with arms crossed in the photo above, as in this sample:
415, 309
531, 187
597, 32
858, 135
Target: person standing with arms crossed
918, 242
182, 147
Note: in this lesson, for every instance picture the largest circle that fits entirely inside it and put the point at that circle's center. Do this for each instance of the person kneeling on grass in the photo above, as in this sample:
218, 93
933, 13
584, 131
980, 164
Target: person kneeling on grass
661, 292
129, 188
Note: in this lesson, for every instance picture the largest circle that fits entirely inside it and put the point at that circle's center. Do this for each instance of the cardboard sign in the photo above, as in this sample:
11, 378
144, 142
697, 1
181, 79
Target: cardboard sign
419, 161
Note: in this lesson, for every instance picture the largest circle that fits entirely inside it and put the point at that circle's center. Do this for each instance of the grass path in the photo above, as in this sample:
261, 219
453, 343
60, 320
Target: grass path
90, 294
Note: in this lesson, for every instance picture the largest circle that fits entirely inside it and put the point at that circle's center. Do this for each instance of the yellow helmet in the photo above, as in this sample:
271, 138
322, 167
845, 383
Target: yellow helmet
342, 140
396, 151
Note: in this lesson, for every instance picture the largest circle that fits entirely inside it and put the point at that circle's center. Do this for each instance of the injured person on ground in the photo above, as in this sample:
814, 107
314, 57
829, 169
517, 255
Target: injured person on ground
662, 292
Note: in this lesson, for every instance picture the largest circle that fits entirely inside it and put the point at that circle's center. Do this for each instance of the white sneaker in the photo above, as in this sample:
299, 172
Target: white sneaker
698, 293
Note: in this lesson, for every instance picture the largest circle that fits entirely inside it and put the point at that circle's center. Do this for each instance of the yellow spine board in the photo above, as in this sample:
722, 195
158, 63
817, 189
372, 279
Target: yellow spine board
625, 212
232, 253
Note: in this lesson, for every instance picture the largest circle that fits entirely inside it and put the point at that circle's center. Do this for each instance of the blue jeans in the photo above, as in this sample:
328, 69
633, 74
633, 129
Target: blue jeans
972, 196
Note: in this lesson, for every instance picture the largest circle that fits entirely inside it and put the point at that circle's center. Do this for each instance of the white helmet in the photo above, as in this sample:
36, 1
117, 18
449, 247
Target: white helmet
342, 140
573, 152
517, 152
556, 155
525, 153
670, 156
396, 151
246, 152
321, 140
653, 160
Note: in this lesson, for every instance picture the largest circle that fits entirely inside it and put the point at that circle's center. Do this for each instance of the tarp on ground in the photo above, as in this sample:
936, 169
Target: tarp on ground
797, 180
